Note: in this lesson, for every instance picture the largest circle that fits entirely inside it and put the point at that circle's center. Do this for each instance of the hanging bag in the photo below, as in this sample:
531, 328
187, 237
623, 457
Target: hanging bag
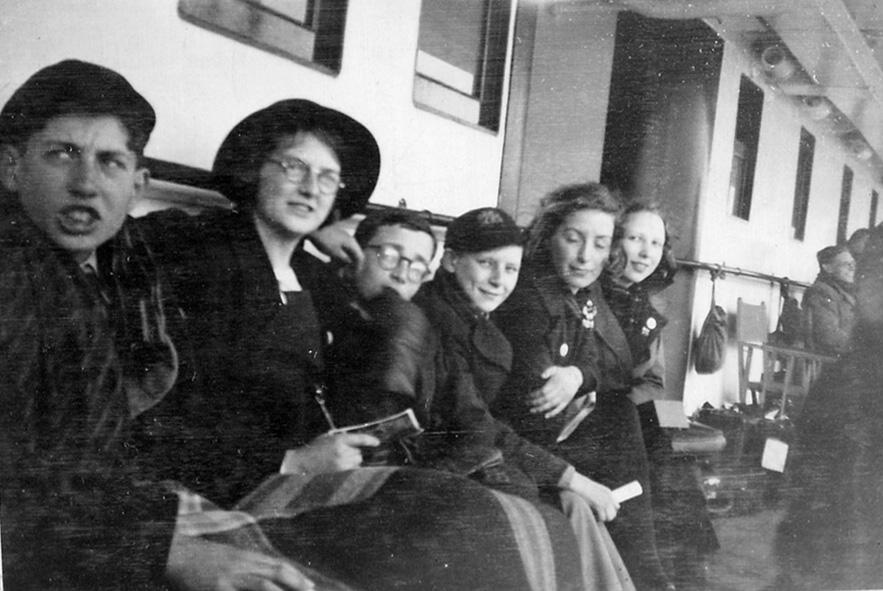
711, 344
788, 328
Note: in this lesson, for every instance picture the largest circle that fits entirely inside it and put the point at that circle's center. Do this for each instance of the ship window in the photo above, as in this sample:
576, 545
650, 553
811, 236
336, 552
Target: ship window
308, 31
845, 198
461, 59
745, 148
802, 183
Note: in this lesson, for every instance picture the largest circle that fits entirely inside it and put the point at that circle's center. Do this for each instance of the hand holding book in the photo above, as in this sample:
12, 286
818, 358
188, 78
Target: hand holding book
329, 452
387, 429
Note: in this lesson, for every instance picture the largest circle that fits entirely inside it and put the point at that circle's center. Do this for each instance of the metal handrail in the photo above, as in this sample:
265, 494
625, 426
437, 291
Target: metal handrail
720, 271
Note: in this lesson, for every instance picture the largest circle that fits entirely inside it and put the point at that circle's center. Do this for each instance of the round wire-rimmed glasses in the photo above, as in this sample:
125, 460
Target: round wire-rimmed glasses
389, 257
296, 170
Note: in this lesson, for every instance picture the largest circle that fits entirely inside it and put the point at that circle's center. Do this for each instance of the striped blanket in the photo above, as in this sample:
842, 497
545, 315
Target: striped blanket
397, 528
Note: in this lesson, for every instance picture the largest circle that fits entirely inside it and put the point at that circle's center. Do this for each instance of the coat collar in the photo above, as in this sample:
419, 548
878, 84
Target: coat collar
450, 307
607, 327
827, 280
634, 310
560, 303
250, 260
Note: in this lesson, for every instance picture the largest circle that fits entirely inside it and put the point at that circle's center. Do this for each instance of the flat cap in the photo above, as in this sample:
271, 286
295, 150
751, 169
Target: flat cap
73, 87
482, 229
829, 253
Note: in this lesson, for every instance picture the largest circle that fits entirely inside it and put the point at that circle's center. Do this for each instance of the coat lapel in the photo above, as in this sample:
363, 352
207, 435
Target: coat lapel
491, 344
608, 329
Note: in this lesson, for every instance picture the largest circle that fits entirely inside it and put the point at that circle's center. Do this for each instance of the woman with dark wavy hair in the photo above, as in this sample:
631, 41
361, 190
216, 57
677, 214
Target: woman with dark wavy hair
572, 366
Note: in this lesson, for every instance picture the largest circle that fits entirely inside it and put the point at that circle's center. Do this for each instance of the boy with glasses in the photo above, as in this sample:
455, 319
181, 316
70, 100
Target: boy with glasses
380, 342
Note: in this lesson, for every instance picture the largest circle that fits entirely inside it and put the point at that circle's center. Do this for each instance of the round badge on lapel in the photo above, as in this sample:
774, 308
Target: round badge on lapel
563, 350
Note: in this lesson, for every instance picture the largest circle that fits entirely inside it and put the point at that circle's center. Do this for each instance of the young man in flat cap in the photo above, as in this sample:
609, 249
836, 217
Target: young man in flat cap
829, 303
84, 352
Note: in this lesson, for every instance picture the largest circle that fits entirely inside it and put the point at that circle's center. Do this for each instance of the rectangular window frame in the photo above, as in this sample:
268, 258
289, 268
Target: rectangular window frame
748, 118
318, 42
802, 183
845, 199
482, 107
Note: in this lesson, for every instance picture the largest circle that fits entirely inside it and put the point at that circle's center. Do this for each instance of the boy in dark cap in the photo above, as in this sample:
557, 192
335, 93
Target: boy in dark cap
84, 351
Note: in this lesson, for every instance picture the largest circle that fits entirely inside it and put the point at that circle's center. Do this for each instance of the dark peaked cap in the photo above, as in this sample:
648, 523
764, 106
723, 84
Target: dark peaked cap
483, 229
73, 87
244, 148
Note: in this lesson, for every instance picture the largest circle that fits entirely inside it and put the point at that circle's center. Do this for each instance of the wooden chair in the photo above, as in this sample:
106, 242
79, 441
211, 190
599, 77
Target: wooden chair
784, 371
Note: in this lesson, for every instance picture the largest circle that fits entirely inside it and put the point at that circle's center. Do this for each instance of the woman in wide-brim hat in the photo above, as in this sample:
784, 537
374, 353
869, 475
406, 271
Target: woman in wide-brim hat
246, 149
256, 302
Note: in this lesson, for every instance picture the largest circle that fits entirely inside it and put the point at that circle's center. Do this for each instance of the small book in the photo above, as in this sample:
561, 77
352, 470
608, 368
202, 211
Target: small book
389, 428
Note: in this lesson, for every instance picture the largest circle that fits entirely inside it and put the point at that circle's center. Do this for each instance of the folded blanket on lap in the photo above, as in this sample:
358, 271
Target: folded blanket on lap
402, 528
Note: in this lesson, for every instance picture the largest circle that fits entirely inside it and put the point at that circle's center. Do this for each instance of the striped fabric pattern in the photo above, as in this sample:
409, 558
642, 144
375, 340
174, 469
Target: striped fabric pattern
283, 497
533, 540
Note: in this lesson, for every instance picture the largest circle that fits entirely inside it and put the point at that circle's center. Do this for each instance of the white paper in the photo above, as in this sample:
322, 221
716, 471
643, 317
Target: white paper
671, 414
775, 452
627, 491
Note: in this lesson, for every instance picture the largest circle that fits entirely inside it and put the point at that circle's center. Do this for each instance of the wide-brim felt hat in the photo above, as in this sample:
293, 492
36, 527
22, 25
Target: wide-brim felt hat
243, 149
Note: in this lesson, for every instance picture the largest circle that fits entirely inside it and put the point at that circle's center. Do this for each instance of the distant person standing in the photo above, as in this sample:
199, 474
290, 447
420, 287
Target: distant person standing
829, 303
832, 531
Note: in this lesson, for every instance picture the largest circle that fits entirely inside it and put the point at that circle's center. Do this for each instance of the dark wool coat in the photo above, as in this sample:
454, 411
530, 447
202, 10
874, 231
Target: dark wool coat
77, 370
547, 325
477, 360
681, 517
828, 316
258, 360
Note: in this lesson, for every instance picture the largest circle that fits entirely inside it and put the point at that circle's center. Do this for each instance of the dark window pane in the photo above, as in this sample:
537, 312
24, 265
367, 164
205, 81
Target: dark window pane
748, 118
845, 198
802, 183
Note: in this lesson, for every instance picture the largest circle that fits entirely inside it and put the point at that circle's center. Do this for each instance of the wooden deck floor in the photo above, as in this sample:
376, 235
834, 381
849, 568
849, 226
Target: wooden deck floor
745, 561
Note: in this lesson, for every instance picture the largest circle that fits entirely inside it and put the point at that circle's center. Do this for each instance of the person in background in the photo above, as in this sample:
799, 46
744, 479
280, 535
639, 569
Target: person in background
832, 531
829, 303
85, 353
642, 265
572, 368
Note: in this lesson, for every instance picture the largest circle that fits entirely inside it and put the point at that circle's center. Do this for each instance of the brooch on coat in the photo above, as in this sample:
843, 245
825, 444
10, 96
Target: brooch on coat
588, 313
648, 326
